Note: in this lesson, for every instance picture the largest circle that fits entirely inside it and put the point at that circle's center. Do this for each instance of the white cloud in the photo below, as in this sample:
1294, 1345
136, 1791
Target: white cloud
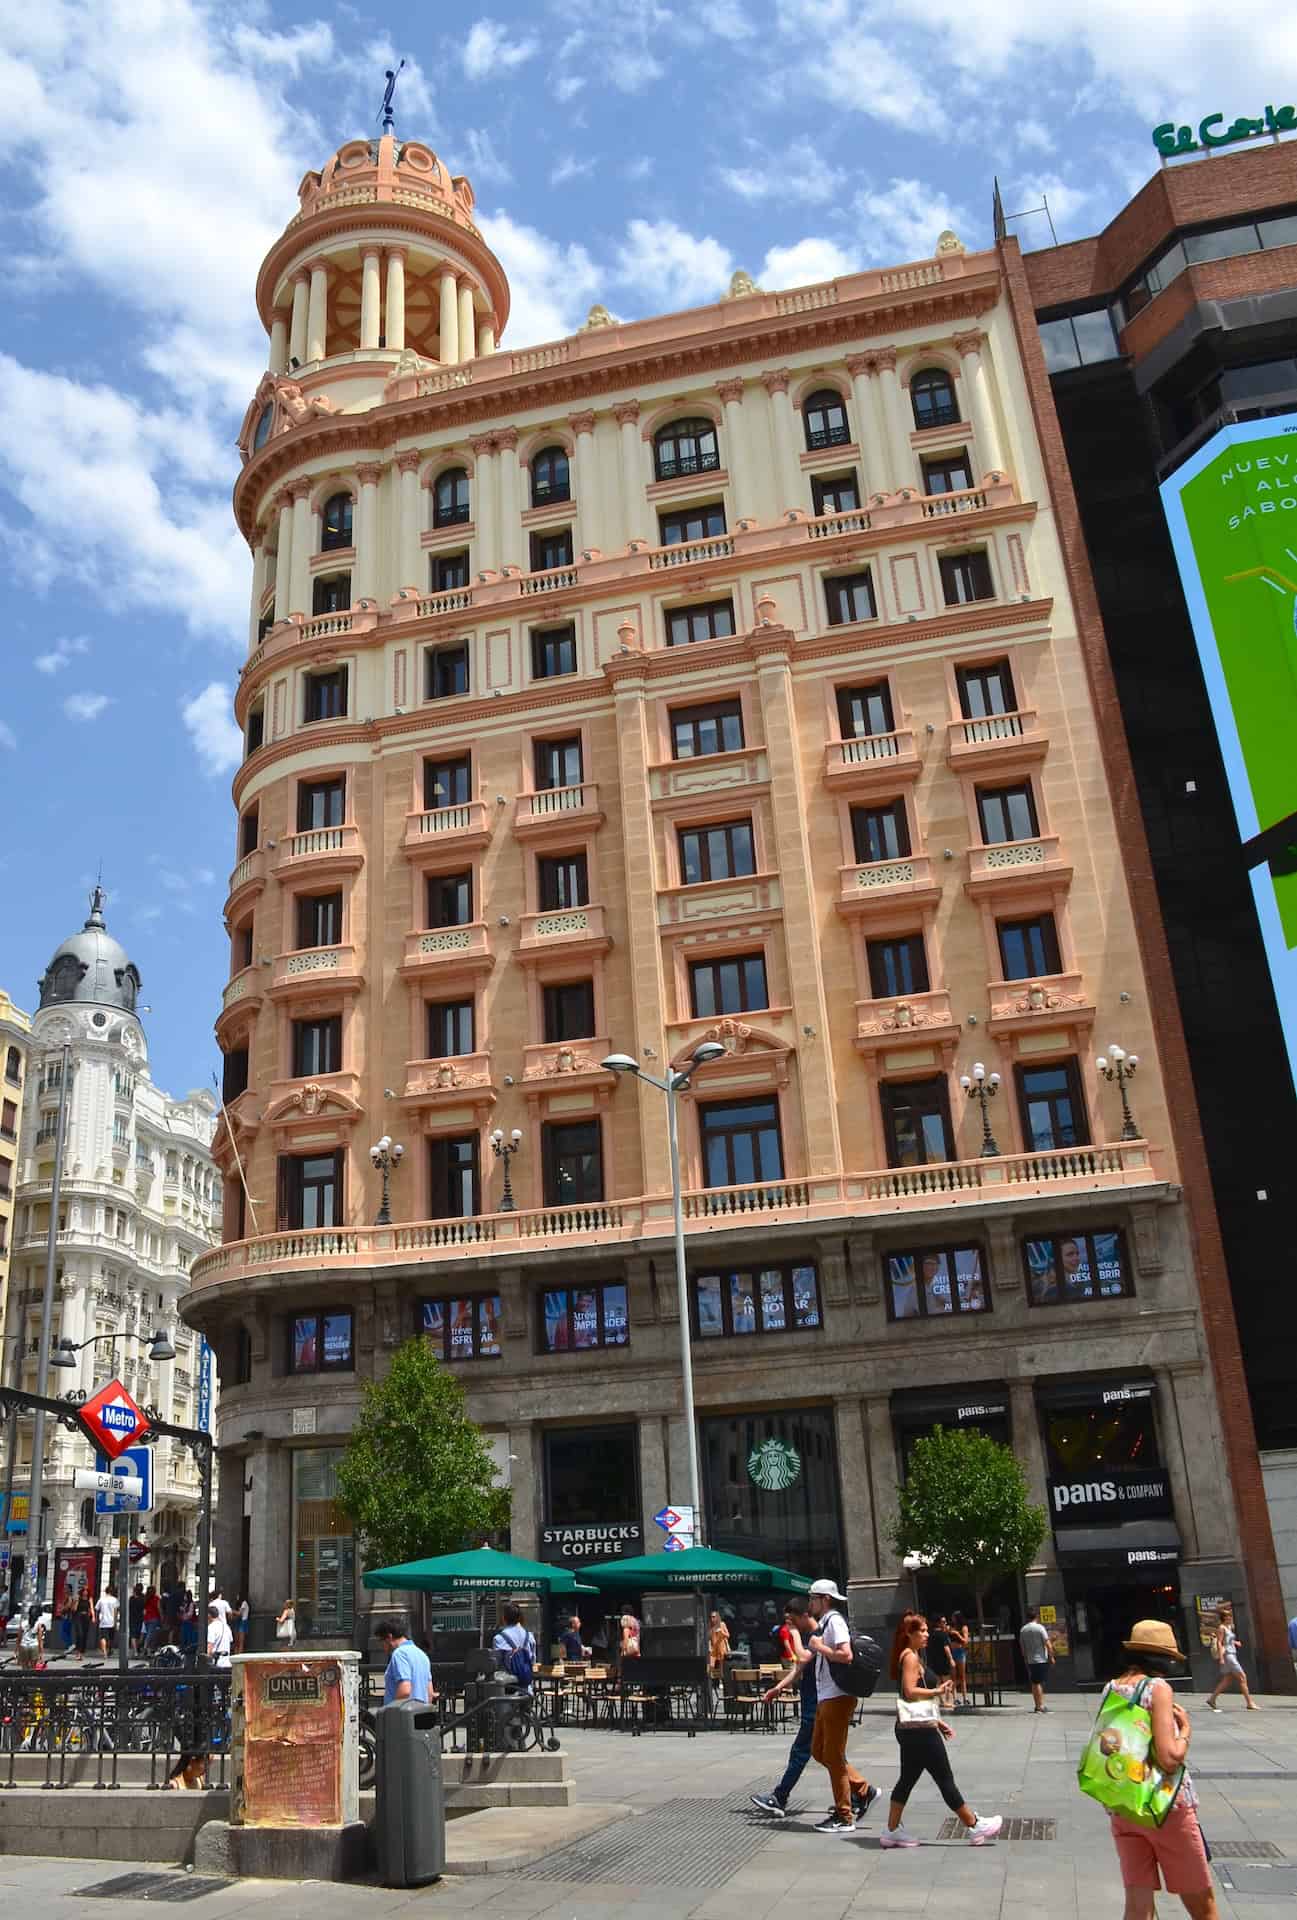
488, 49
566, 86
725, 20
209, 721
86, 706
903, 220
570, 168
631, 70
803, 263
8, 738
303, 46
551, 285
484, 166
61, 653
800, 172
670, 267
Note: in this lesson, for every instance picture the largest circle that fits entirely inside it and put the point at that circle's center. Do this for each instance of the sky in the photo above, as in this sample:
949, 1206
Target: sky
621, 151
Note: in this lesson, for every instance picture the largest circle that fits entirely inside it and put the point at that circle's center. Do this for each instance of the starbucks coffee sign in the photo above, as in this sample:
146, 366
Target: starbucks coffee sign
774, 1465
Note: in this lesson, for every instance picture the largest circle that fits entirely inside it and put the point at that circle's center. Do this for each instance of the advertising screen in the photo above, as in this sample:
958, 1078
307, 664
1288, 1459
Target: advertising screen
1232, 511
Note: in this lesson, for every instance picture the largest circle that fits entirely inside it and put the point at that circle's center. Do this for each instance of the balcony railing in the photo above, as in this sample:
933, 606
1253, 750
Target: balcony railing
558, 806
557, 924
465, 821
250, 869
859, 762
313, 963
319, 843
1010, 859
688, 552
449, 944
873, 879
994, 738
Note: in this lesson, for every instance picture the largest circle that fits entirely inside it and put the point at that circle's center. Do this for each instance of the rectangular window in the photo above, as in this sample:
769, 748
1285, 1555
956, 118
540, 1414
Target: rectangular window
965, 577
330, 593
950, 474
553, 651
916, 1122
310, 1190
575, 1319
320, 1343
1063, 1267
1079, 340
448, 783
571, 1163
446, 672
568, 1009
562, 880
550, 550
728, 986
256, 730
897, 966
463, 1329
710, 620
880, 833
936, 1280
691, 523
248, 833
1007, 813
453, 1183
449, 570
702, 730
850, 596
865, 710
721, 852
450, 899
243, 941
557, 763
760, 1300
319, 919
741, 1143
986, 690
234, 1079
321, 803
840, 494
1053, 1112
1028, 948
450, 1028
317, 1046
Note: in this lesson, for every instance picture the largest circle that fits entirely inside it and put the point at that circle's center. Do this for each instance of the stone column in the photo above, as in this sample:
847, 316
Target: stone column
483, 484
299, 592
972, 349
364, 583
278, 343
585, 483
394, 331
510, 535
448, 330
900, 466
270, 1533
853, 1478
870, 436
788, 481
644, 945
317, 316
485, 338
467, 321
652, 1477
626, 415
258, 545
370, 297
411, 570
297, 328
1030, 1452
284, 554
736, 453
524, 1522
884, 1479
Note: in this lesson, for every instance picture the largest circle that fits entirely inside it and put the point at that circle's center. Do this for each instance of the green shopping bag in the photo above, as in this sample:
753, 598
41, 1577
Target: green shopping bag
1117, 1767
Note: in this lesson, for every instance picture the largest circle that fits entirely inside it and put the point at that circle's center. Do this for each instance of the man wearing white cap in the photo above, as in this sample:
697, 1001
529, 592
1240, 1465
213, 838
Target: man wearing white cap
831, 1644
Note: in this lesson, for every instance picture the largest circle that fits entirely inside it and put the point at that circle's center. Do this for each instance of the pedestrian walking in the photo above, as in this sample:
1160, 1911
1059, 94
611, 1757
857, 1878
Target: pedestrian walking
629, 1645
514, 1647
570, 1644
921, 1735
1173, 1854
106, 1616
830, 1642
31, 1641
718, 1647
82, 1621
188, 1621
960, 1640
1038, 1652
241, 1619
67, 1613
220, 1640
286, 1624
1226, 1647
788, 1639
940, 1654
135, 1616
798, 1625
152, 1620
409, 1674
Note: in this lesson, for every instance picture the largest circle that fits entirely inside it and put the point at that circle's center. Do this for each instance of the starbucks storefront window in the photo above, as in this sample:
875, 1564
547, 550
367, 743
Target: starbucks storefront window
324, 1552
592, 1513
770, 1488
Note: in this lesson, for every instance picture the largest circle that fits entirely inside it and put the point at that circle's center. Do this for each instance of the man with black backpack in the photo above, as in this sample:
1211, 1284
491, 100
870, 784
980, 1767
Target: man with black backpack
844, 1673
514, 1648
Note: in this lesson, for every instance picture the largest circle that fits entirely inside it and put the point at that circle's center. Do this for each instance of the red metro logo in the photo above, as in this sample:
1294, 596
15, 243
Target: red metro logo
112, 1419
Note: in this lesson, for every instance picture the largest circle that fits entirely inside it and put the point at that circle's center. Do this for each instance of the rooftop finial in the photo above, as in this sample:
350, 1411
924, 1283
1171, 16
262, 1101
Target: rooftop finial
97, 898
389, 123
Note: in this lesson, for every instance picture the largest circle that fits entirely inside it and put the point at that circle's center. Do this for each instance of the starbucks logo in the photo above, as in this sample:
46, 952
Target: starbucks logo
774, 1465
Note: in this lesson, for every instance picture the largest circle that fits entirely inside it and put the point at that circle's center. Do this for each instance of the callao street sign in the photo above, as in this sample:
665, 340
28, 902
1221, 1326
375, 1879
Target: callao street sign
113, 1420
122, 1486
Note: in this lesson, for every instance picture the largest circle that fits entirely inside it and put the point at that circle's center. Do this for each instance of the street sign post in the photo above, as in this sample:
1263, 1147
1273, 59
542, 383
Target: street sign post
113, 1420
136, 1464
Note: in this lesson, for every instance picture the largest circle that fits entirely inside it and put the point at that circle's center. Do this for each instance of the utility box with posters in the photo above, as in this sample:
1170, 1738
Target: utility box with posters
295, 1739
410, 1803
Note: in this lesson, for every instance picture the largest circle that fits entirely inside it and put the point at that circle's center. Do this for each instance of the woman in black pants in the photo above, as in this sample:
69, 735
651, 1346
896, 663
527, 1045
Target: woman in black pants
922, 1734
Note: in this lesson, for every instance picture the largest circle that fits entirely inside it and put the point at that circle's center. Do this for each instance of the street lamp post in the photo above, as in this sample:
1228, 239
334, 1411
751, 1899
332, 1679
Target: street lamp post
43, 1351
674, 1085
982, 1087
386, 1156
504, 1151
1120, 1066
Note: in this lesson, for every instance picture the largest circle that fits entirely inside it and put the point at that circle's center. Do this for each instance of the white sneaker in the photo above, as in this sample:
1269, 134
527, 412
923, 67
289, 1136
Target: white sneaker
896, 1837
985, 1830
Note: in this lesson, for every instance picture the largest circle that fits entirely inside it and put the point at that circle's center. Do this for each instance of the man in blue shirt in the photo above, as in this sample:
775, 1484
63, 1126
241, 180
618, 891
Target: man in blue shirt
408, 1676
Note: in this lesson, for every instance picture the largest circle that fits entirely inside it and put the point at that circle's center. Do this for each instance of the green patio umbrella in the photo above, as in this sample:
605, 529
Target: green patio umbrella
480, 1570
697, 1567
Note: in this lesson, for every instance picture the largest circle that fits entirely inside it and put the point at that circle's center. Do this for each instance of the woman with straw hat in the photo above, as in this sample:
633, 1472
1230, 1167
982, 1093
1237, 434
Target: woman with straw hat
1172, 1855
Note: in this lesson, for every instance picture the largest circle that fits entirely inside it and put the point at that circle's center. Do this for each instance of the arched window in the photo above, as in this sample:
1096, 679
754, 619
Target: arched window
685, 446
336, 523
261, 432
14, 1066
825, 415
551, 477
932, 395
450, 498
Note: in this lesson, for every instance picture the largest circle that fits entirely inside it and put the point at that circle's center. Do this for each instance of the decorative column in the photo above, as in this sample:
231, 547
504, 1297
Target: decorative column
900, 467
485, 338
258, 545
297, 327
467, 321
364, 583
626, 414
487, 542
870, 432
884, 1478
299, 592
278, 343
410, 567
1030, 1452
510, 519
284, 555
524, 1520
317, 314
585, 485
394, 331
788, 488
370, 297
448, 327
853, 1477
736, 453
971, 349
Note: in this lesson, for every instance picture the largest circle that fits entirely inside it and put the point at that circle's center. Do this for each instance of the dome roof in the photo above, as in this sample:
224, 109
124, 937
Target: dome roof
91, 968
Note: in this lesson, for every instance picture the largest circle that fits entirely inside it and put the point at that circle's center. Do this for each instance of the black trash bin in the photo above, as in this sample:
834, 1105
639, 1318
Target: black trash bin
410, 1801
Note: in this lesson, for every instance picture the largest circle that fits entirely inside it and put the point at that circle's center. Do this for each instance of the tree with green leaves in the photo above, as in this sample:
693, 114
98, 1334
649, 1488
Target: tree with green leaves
964, 1509
417, 1478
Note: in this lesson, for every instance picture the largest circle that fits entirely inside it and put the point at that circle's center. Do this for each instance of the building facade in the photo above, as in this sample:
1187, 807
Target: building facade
15, 1039
140, 1199
716, 676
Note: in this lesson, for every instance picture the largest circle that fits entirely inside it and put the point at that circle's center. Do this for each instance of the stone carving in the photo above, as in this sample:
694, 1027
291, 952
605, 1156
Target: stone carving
445, 1076
732, 1035
298, 408
767, 610
741, 283
565, 1060
901, 1018
597, 317
409, 364
1041, 999
949, 242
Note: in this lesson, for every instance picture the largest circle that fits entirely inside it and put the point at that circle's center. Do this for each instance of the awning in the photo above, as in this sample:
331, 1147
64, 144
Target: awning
1129, 1551
1106, 1391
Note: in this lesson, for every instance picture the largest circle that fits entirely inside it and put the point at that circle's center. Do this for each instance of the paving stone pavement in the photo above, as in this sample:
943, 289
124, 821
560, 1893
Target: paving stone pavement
1007, 1761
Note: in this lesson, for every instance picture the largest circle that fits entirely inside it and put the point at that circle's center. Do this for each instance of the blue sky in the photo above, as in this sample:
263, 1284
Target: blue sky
621, 150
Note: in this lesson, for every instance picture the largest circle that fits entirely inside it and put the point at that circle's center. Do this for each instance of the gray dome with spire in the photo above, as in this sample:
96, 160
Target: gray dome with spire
91, 968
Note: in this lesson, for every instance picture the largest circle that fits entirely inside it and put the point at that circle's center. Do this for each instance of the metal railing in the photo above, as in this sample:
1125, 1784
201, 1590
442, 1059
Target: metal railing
82, 1729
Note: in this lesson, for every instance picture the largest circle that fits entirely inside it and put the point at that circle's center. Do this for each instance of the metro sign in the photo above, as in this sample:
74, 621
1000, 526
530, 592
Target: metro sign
112, 1419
